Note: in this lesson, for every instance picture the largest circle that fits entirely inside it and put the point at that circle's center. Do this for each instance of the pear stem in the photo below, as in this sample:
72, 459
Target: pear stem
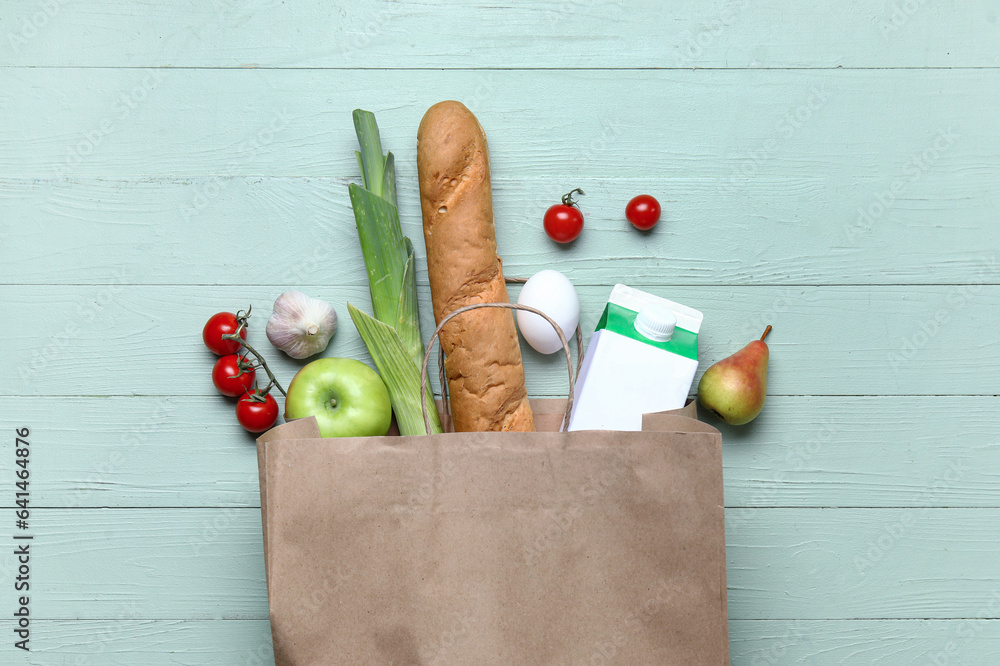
766, 331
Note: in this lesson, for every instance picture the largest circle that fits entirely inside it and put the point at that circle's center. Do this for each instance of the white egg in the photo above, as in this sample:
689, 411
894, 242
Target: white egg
552, 293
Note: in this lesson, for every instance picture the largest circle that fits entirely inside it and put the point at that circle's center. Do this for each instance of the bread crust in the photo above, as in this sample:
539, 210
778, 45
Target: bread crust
483, 357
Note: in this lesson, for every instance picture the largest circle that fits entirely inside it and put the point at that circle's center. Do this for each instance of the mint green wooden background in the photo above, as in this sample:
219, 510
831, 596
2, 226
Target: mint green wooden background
163, 161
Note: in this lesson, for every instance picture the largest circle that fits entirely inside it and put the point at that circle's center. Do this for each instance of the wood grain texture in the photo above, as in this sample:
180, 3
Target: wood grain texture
895, 563
145, 564
883, 642
102, 340
544, 33
803, 451
829, 168
755, 642
129, 642
773, 231
187, 563
739, 126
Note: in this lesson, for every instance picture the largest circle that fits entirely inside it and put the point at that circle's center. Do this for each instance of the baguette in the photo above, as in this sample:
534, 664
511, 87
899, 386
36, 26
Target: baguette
482, 354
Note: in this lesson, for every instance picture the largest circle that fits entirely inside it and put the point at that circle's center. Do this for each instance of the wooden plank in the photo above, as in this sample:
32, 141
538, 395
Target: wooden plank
547, 33
795, 230
864, 452
863, 563
814, 642
147, 642
802, 451
759, 642
887, 642
113, 564
802, 124
782, 563
145, 340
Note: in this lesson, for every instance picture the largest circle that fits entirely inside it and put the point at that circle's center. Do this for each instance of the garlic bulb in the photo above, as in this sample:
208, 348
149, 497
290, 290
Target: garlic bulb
301, 325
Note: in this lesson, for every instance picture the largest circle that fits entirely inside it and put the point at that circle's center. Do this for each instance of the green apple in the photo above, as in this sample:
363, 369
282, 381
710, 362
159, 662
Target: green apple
347, 398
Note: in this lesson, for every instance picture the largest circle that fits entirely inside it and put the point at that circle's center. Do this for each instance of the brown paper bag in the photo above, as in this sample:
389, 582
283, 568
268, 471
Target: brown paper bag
497, 548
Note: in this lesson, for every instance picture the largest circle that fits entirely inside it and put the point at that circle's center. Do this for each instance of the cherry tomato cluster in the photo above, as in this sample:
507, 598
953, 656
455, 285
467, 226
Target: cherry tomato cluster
564, 222
234, 375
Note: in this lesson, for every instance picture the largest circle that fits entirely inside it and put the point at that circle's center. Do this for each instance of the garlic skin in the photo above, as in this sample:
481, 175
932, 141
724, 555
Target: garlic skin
301, 325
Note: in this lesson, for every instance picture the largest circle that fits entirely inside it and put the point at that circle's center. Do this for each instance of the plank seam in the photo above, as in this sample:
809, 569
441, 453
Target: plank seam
515, 69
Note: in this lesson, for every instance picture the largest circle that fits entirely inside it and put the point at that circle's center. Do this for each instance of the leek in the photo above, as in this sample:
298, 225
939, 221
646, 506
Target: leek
393, 334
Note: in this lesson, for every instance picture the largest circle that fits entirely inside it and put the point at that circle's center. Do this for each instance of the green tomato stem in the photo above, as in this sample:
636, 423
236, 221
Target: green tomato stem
568, 199
260, 359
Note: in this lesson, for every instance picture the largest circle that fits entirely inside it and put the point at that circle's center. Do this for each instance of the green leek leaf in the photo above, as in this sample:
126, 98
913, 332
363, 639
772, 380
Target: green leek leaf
372, 159
382, 247
393, 334
408, 322
389, 180
361, 167
400, 374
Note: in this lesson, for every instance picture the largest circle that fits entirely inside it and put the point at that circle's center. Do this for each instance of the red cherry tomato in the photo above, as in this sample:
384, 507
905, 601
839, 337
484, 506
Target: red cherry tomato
643, 212
223, 323
256, 416
233, 375
564, 222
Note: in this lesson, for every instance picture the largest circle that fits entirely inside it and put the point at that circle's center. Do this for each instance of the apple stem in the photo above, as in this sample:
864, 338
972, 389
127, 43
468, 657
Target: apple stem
333, 402
766, 331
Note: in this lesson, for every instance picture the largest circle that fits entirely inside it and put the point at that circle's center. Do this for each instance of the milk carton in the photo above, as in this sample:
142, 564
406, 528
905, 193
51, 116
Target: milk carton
641, 359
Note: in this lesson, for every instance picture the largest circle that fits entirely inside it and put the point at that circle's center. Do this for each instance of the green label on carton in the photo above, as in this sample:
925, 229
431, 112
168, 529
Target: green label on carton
622, 321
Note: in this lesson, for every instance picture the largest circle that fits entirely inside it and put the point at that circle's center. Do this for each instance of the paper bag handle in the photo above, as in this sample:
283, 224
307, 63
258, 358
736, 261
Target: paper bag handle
507, 306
